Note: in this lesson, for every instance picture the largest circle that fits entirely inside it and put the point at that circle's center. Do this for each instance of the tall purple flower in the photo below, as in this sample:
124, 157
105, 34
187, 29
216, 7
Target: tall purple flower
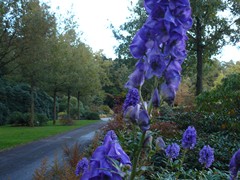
101, 164
189, 138
206, 156
132, 98
234, 165
160, 45
82, 166
172, 151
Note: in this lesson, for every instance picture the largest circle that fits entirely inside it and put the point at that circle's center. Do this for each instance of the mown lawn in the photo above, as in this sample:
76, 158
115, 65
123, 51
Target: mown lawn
13, 136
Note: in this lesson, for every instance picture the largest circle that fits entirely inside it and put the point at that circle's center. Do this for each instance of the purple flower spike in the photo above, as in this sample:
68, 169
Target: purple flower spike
234, 165
82, 166
172, 151
144, 120
189, 138
132, 98
156, 98
206, 156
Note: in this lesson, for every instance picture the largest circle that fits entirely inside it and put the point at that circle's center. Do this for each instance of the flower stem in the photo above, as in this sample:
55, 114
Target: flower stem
136, 156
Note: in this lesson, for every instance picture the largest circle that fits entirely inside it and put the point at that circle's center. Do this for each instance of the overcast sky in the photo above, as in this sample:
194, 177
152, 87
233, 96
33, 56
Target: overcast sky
95, 16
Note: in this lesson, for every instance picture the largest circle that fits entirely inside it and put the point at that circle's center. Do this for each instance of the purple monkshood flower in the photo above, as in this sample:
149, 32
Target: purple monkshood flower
168, 93
206, 156
132, 98
234, 165
144, 120
189, 138
160, 144
136, 79
101, 164
172, 151
82, 166
155, 98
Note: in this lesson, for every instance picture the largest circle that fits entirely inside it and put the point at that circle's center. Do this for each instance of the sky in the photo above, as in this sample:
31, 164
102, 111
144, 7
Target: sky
95, 16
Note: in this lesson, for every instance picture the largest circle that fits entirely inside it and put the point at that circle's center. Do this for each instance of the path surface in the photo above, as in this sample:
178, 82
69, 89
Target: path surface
20, 163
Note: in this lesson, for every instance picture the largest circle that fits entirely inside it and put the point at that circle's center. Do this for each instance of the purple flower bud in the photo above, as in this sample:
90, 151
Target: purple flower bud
189, 138
82, 166
172, 151
155, 98
137, 78
132, 98
148, 141
160, 144
144, 120
234, 165
206, 156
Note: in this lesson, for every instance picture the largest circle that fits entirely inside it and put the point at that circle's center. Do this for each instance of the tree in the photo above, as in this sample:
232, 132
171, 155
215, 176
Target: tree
37, 26
211, 31
10, 49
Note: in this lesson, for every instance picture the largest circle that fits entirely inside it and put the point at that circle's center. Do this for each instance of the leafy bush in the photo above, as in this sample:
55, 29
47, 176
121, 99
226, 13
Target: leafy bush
22, 119
91, 116
18, 118
224, 99
15, 97
41, 119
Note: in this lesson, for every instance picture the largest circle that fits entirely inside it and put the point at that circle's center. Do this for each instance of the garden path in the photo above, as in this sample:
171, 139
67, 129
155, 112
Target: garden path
20, 162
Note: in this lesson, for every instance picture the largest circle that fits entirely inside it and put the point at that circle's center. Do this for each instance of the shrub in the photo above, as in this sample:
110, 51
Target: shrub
224, 99
41, 119
22, 119
18, 119
91, 116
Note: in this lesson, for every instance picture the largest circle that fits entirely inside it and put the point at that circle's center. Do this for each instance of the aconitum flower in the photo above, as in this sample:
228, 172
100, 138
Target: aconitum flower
155, 98
189, 138
172, 151
160, 144
132, 98
101, 164
144, 120
206, 156
234, 165
82, 166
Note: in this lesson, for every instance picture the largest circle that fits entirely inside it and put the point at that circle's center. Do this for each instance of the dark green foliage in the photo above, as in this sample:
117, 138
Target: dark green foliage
224, 99
91, 116
22, 119
16, 98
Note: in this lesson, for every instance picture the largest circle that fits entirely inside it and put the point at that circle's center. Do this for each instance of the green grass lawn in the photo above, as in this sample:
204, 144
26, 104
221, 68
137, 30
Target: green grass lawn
13, 136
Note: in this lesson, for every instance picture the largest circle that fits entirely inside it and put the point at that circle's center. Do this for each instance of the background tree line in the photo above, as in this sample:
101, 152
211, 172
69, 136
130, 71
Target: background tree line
39, 53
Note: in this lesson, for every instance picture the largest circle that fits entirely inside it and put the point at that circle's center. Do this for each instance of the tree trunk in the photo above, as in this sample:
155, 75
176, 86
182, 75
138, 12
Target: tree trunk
68, 104
78, 101
199, 85
31, 123
54, 106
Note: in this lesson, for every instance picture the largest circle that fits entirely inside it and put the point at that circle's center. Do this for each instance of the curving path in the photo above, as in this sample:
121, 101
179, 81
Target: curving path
20, 163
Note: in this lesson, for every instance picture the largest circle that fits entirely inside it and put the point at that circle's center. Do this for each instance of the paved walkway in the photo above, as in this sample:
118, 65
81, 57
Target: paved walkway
20, 163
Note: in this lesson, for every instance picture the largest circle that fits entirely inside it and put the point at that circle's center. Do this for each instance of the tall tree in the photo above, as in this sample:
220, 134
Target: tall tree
10, 26
211, 31
38, 25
